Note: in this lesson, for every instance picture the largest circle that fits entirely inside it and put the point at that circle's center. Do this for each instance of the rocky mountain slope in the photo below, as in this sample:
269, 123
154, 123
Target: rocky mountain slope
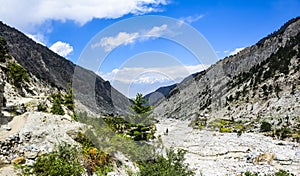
59, 72
260, 83
159, 94
36, 103
243, 107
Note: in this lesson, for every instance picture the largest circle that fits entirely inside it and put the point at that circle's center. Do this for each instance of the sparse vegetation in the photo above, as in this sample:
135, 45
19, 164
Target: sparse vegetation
62, 161
137, 132
42, 107
95, 160
173, 164
265, 127
57, 104
279, 173
17, 74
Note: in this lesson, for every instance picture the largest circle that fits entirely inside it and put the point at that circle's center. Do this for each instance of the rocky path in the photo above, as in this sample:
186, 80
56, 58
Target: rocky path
15, 126
213, 153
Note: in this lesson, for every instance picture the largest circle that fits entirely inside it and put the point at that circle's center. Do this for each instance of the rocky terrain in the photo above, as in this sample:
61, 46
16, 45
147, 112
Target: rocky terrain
227, 118
214, 153
91, 90
260, 83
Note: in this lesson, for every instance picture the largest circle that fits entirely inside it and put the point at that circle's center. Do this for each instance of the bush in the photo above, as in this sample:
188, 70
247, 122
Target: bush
283, 173
69, 100
17, 74
172, 165
279, 173
250, 174
56, 107
63, 161
225, 130
265, 127
284, 133
42, 107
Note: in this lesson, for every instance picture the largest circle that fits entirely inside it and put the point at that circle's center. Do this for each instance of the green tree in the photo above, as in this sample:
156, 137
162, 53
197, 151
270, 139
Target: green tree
69, 100
56, 107
139, 106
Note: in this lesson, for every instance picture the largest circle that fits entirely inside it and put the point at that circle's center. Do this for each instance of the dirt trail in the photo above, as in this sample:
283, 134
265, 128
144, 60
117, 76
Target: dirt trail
16, 124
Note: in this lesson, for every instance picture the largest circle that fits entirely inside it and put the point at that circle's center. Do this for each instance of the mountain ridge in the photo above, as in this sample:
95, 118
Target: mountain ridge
224, 89
59, 72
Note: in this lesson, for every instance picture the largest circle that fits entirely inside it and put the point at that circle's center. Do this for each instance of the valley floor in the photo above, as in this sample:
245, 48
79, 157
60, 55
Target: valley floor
214, 153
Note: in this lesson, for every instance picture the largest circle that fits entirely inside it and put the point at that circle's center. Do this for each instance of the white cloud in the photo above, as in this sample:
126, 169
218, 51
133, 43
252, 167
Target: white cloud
156, 31
124, 38
236, 51
189, 19
62, 48
35, 12
140, 75
38, 38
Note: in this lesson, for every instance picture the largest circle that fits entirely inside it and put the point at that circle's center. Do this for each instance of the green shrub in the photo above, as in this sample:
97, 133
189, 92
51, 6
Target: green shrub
69, 100
173, 164
62, 161
57, 108
225, 130
250, 174
17, 74
283, 132
279, 173
42, 107
265, 127
283, 173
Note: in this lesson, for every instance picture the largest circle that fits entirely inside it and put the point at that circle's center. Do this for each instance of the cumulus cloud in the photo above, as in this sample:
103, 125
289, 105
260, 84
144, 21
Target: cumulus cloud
62, 48
124, 38
140, 75
36, 12
236, 51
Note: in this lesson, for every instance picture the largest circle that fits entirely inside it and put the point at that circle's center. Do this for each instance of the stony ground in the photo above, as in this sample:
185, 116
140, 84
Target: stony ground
214, 153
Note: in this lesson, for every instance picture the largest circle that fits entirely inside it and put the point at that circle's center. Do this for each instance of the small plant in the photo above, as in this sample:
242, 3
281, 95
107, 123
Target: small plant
250, 174
265, 127
225, 130
42, 107
284, 133
283, 173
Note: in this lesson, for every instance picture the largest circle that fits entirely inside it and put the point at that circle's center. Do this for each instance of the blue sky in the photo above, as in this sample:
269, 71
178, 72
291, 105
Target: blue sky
142, 52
